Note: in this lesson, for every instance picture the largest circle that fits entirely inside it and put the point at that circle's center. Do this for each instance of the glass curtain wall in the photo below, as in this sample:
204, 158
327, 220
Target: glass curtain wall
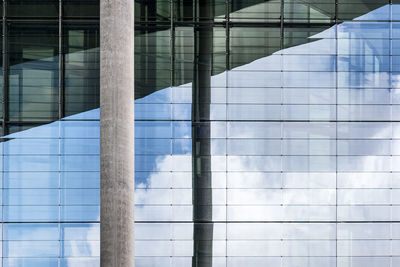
50, 137
266, 133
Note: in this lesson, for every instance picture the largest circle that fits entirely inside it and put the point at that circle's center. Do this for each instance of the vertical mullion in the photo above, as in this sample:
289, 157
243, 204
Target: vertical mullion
172, 43
391, 117
60, 64
5, 70
282, 24
227, 68
5, 111
227, 33
336, 131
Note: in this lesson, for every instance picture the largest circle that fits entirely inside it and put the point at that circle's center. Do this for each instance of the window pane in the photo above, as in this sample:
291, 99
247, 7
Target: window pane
82, 74
32, 8
34, 71
81, 8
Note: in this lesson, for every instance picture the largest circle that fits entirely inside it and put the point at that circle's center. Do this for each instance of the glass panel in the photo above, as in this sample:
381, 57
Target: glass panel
31, 232
309, 11
156, 10
82, 69
348, 10
34, 72
186, 10
152, 59
254, 10
296, 35
248, 44
32, 8
81, 8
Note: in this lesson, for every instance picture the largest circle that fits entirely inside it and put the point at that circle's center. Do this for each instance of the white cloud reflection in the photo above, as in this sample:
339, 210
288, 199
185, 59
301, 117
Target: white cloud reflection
299, 182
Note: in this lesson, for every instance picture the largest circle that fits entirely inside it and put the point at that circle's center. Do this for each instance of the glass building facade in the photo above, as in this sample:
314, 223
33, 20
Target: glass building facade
272, 137
267, 133
50, 133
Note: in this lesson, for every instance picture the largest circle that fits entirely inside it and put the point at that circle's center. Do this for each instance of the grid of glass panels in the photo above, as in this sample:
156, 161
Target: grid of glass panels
266, 133
50, 133
269, 137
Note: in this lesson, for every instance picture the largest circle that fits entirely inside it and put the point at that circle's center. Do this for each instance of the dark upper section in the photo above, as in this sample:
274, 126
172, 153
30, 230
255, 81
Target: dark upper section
50, 49
167, 35
50, 61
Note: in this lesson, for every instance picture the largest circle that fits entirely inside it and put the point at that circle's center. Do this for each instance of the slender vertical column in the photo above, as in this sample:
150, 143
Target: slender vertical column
117, 132
201, 142
5, 70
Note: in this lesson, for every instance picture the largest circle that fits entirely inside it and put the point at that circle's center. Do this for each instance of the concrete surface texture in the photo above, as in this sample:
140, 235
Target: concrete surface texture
117, 133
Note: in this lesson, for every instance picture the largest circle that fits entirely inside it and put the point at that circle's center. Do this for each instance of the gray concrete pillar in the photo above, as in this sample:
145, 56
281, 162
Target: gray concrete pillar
117, 133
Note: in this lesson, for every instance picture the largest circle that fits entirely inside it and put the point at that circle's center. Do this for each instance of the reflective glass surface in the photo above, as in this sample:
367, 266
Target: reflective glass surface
267, 134
49, 133
32, 8
288, 156
33, 71
81, 69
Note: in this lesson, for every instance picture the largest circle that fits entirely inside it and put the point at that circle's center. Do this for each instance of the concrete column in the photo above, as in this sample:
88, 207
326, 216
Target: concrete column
117, 133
